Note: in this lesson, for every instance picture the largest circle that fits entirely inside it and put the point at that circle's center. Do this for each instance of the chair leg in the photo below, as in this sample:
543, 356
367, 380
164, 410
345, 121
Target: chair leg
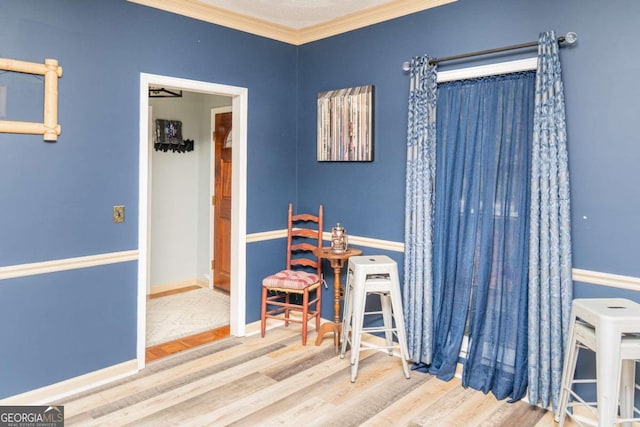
305, 315
263, 312
318, 306
286, 309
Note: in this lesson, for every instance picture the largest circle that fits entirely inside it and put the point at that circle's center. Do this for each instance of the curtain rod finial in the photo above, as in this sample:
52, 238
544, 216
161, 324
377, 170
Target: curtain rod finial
571, 37
406, 66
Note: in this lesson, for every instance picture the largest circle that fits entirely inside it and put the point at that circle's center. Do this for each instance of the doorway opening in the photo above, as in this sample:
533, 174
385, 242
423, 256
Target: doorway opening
238, 132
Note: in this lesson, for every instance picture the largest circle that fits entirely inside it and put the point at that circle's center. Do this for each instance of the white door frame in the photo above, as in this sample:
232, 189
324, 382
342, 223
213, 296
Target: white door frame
239, 97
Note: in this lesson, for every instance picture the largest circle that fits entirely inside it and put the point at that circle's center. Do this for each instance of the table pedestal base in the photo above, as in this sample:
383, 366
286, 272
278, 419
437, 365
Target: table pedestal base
336, 328
337, 262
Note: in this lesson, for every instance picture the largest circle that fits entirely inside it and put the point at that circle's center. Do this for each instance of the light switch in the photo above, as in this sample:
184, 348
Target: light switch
118, 214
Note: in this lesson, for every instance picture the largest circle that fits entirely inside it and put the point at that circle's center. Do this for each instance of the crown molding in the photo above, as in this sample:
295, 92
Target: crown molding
374, 15
216, 15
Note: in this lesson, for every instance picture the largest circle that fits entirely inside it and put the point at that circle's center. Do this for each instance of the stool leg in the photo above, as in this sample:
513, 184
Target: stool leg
398, 315
607, 355
357, 319
627, 388
387, 320
347, 319
570, 360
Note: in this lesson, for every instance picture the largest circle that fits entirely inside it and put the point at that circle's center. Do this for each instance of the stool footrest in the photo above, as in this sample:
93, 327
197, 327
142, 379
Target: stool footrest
366, 346
584, 381
590, 405
379, 329
582, 420
581, 402
627, 420
369, 313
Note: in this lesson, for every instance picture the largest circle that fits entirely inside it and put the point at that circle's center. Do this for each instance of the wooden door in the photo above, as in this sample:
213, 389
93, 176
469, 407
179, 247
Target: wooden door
222, 203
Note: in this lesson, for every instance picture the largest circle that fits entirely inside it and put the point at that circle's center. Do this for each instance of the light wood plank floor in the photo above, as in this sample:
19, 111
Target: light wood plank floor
253, 381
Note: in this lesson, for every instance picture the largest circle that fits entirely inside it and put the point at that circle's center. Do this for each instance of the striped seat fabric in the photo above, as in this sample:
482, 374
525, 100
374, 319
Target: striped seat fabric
290, 279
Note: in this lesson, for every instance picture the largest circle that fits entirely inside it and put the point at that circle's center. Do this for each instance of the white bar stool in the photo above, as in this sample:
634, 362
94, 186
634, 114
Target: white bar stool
377, 274
603, 325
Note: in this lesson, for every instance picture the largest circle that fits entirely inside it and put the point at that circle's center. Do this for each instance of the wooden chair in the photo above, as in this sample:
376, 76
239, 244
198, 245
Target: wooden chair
302, 275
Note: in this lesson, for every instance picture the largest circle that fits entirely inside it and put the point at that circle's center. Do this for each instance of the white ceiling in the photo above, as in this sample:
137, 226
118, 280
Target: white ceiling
296, 14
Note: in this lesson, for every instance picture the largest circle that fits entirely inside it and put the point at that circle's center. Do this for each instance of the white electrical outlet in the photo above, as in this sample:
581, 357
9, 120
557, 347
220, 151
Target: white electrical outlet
3, 101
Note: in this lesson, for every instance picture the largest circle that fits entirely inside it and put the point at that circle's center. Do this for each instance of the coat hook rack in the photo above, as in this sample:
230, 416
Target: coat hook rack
160, 92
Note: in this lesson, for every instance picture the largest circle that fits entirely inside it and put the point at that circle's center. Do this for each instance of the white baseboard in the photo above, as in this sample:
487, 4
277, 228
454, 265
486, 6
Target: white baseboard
179, 284
254, 327
54, 392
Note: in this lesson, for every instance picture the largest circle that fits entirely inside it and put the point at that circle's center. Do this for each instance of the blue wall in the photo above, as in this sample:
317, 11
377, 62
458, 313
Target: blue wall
61, 325
600, 74
601, 102
57, 198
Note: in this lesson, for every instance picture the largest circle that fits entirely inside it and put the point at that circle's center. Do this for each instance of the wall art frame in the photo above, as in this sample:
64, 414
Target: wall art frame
345, 125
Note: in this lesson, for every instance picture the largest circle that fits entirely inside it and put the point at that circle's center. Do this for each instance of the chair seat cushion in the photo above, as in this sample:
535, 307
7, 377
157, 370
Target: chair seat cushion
290, 279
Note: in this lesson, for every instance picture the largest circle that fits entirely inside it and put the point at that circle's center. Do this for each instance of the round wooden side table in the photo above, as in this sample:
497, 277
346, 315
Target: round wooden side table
337, 263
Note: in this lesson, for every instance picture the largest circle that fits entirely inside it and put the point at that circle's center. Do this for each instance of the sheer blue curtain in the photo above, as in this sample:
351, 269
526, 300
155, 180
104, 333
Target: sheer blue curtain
420, 178
550, 282
484, 129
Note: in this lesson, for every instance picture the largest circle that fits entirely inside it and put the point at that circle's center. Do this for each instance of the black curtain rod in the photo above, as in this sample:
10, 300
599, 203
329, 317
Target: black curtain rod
569, 38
